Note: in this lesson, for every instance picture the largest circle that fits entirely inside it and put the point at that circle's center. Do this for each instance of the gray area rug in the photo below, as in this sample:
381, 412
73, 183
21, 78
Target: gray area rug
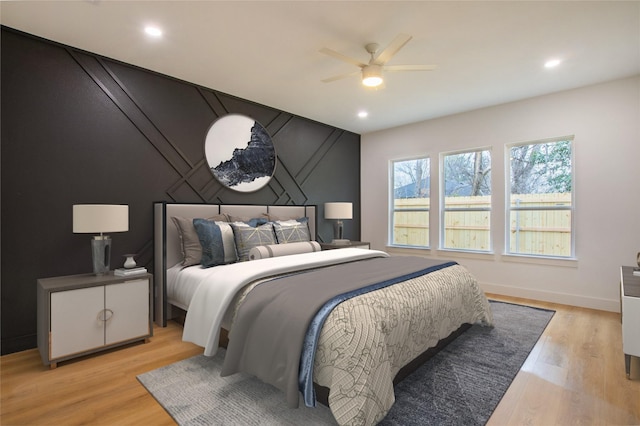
462, 384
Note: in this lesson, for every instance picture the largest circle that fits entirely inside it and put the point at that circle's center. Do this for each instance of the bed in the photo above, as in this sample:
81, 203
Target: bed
294, 320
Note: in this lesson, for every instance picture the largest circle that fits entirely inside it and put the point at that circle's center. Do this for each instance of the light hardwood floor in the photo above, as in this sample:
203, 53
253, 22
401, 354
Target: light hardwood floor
574, 375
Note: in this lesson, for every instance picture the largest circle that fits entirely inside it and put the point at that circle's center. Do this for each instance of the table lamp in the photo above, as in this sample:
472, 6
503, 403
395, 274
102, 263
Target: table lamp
338, 211
100, 218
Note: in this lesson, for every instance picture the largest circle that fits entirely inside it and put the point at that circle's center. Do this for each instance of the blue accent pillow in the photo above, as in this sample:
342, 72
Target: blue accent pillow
257, 221
216, 239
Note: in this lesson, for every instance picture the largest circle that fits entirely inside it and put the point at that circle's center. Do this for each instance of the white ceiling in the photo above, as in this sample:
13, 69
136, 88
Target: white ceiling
487, 53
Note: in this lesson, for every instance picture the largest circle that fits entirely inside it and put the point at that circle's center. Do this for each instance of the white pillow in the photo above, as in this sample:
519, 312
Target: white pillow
275, 250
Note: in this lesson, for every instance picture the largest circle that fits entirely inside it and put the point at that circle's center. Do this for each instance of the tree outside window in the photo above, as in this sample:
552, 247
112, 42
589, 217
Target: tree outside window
540, 205
466, 201
410, 181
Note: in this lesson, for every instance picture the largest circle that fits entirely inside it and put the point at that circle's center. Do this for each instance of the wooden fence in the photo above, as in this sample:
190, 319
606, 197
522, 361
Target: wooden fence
541, 232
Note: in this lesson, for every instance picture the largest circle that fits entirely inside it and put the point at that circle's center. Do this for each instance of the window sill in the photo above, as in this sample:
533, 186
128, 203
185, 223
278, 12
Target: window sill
511, 258
446, 254
407, 249
538, 260
466, 254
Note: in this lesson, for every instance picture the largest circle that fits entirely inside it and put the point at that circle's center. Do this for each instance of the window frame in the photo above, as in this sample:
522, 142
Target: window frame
393, 210
444, 210
509, 209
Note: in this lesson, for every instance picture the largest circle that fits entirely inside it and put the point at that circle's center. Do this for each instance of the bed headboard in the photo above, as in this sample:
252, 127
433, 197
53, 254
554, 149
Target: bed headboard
167, 250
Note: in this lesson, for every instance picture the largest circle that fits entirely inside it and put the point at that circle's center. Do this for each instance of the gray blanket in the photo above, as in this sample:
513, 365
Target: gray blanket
269, 330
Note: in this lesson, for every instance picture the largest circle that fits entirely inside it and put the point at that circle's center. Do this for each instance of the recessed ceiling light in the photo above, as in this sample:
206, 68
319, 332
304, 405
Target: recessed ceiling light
363, 114
153, 31
552, 63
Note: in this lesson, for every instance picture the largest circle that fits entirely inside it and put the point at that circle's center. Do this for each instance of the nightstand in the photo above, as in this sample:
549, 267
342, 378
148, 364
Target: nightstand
350, 244
630, 297
82, 314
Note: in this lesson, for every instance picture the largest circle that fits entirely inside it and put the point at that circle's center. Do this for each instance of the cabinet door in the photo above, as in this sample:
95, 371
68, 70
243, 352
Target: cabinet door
75, 322
129, 302
630, 321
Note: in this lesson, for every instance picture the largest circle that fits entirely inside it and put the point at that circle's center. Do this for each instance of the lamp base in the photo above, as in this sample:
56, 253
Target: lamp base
338, 230
101, 252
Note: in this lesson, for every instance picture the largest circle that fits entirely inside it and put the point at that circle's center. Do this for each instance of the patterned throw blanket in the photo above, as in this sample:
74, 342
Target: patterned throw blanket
266, 343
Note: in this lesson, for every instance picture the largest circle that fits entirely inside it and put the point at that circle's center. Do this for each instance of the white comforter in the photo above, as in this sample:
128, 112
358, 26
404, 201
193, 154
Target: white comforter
219, 285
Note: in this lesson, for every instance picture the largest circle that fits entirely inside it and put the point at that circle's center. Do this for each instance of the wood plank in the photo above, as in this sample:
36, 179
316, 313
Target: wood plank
574, 375
96, 389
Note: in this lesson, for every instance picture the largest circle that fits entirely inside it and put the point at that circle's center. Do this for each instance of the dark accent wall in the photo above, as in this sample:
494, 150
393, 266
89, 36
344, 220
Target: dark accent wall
81, 128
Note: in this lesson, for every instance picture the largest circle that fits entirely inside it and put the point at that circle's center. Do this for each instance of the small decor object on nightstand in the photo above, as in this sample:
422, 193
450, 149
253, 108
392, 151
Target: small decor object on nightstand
127, 272
129, 262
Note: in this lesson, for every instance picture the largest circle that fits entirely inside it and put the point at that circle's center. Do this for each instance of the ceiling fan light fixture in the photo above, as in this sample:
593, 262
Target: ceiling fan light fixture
372, 72
372, 75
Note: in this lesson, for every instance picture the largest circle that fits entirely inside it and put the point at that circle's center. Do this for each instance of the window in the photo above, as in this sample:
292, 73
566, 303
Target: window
466, 201
410, 200
540, 204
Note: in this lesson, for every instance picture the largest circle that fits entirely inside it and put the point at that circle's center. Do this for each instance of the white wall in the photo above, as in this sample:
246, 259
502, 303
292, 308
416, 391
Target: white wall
605, 120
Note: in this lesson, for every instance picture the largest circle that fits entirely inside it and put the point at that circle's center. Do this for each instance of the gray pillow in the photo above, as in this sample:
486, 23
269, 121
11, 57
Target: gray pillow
247, 237
276, 250
189, 241
291, 231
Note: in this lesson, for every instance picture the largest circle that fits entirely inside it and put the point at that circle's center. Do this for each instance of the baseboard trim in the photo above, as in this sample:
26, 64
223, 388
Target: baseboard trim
548, 296
18, 344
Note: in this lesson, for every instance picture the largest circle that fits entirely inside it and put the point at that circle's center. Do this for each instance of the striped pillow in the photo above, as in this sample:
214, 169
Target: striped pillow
276, 250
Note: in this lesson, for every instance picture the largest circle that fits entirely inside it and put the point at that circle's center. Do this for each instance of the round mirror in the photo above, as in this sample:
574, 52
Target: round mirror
240, 153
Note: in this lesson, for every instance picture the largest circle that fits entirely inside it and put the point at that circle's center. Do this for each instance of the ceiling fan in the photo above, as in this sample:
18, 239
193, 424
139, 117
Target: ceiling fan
372, 71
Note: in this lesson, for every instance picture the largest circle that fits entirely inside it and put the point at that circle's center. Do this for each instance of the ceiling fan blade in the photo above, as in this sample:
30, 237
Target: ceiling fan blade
410, 67
340, 77
342, 57
393, 48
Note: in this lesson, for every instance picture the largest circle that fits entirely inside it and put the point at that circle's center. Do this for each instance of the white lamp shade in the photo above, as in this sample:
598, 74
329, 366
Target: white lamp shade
338, 211
92, 218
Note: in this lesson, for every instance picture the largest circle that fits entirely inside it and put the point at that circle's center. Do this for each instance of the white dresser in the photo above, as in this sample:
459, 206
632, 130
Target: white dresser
630, 304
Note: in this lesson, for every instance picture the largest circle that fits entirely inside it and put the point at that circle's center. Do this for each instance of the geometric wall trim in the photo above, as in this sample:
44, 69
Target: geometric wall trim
81, 128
